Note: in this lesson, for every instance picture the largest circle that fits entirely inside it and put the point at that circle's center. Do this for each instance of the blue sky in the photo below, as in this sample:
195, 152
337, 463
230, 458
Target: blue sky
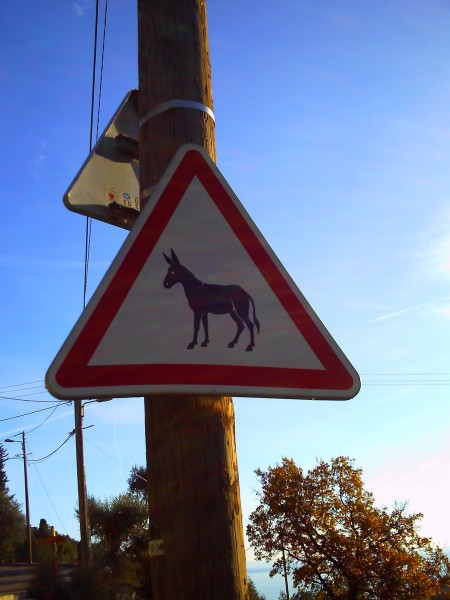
333, 129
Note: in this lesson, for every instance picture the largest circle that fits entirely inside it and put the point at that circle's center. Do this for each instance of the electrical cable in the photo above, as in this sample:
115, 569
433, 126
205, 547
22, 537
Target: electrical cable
46, 419
412, 382
104, 452
26, 414
101, 68
384, 374
410, 374
27, 399
39, 460
20, 384
88, 231
49, 499
111, 457
34, 462
94, 65
21, 389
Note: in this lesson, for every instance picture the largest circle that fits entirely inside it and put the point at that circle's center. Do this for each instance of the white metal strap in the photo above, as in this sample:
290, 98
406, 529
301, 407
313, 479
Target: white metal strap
160, 108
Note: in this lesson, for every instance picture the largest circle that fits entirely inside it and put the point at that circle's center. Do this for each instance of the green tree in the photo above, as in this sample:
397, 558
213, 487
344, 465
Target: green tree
49, 546
12, 527
137, 482
3, 477
119, 524
119, 528
43, 551
337, 543
253, 593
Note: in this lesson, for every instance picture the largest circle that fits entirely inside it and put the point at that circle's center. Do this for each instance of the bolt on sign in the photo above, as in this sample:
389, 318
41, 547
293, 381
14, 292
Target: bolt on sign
196, 302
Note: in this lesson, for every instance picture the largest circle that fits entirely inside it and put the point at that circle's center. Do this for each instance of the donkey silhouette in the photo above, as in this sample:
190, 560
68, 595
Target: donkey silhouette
204, 298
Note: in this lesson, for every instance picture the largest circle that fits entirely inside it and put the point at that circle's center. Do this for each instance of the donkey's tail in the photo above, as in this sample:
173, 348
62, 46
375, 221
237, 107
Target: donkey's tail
255, 320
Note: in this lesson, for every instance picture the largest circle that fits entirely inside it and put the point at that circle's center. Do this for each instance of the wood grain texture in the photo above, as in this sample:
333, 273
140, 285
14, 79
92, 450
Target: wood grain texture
195, 504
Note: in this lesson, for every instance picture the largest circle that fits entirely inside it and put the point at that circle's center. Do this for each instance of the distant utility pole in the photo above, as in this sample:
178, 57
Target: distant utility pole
81, 478
195, 506
27, 500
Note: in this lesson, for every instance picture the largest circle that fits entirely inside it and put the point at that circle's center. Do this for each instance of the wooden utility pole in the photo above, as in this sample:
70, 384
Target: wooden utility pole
27, 500
84, 554
195, 506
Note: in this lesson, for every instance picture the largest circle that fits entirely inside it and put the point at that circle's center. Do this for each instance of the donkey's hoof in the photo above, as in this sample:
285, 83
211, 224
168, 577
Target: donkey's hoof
204, 344
249, 348
231, 344
191, 346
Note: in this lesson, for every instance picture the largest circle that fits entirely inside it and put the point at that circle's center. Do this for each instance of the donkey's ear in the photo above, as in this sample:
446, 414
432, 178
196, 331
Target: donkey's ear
174, 258
168, 259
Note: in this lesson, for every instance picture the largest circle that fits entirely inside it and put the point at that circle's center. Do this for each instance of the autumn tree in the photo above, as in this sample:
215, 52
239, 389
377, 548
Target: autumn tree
337, 544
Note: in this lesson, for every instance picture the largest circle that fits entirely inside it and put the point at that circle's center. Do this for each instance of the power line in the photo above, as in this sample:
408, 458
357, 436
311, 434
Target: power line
104, 452
46, 419
101, 68
49, 499
7, 390
39, 460
20, 384
408, 374
26, 414
409, 383
363, 374
27, 399
88, 232
399, 379
94, 66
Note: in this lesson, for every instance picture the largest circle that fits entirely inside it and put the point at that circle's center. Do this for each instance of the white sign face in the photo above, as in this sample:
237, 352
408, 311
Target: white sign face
196, 302
107, 185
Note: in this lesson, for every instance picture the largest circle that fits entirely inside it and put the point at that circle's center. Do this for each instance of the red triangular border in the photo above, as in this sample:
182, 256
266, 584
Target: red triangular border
74, 372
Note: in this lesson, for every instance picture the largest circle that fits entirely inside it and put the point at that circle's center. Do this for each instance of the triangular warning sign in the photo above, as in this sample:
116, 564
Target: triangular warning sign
196, 302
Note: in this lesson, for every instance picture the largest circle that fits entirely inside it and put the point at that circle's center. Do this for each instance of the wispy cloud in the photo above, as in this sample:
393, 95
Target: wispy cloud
396, 313
122, 410
434, 306
80, 8
39, 160
434, 254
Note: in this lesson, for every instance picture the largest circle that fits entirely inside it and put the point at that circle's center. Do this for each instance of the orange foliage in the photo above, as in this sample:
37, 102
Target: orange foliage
337, 543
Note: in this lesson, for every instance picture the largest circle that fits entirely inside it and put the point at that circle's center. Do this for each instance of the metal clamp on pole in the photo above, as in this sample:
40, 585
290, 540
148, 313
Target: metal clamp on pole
170, 104
147, 192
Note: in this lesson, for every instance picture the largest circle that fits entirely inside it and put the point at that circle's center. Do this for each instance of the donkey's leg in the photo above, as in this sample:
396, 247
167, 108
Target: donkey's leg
196, 326
240, 328
205, 329
242, 310
251, 328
